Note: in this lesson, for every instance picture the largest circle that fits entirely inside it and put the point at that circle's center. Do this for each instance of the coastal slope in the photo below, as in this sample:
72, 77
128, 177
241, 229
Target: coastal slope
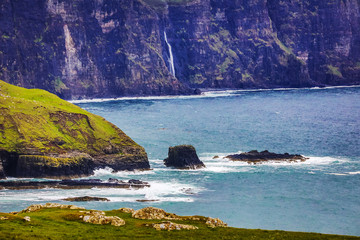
42, 135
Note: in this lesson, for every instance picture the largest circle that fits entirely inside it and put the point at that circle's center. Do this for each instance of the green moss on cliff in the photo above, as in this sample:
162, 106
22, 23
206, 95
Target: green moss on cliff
37, 122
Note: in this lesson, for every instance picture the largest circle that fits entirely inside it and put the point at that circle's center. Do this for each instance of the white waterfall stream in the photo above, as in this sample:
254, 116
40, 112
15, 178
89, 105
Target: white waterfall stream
171, 59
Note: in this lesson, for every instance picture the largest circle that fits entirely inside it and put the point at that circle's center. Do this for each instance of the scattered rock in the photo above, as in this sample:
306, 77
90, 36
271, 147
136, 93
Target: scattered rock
215, 222
85, 199
3, 218
126, 210
27, 219
169, 226
257, 157
216, 157
183, 157
152, 213
98, 217
36, 207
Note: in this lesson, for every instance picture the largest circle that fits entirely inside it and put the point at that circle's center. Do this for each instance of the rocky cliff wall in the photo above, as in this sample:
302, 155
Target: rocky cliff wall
110, 48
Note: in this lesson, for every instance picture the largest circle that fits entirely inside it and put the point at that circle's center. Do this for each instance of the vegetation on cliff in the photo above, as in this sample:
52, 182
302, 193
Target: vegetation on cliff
115, 48
39, 130
68, 222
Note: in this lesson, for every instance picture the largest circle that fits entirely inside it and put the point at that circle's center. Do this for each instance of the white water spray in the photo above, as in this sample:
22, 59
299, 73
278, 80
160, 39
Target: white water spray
171, 59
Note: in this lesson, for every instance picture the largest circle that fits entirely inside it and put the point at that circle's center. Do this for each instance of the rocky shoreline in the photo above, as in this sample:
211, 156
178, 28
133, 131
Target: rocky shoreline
73, 184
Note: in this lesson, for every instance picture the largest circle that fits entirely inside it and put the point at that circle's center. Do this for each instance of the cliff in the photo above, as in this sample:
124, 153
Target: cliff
108, 48
44, 136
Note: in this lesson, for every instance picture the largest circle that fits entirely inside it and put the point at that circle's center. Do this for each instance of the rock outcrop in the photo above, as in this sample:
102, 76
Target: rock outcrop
183, 157
126, 210
258, 157
170, 226
37, 207
114, 48
98, 217
71, 184
44, 136
152, 213
215, 222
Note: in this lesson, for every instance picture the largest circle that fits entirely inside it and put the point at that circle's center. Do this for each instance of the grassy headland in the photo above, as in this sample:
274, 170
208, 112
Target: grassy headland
58, 223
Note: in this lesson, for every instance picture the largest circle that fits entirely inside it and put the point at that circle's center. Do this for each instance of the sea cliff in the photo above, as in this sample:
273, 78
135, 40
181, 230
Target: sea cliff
107, 48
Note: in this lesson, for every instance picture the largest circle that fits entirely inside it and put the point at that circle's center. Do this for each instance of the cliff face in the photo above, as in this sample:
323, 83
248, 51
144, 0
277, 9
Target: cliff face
44, 136
108, 48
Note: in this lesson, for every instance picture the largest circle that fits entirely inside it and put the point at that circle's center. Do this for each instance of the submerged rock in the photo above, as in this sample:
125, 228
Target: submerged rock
257, 157
42, 135
183, 157
170, 226
85, 199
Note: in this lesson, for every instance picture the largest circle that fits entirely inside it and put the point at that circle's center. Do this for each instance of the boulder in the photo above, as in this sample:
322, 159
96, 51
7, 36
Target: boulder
170, 226
183, 157
152, 213
258, 157
215, 222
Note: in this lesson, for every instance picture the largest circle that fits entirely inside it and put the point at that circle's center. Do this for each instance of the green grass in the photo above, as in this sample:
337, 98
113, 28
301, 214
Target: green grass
38, 120
66, 224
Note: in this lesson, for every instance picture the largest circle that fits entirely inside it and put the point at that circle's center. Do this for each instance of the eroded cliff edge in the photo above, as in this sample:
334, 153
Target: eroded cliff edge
110, 48
44, 136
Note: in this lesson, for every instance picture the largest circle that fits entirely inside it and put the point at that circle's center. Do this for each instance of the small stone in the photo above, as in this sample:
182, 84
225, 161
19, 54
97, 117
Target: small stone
27, 219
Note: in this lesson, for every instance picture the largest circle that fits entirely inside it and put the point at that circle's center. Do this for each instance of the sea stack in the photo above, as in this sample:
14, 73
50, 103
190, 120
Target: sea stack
183, 157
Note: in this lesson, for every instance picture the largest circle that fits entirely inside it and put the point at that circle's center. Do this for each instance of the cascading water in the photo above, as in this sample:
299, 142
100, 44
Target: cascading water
171, 59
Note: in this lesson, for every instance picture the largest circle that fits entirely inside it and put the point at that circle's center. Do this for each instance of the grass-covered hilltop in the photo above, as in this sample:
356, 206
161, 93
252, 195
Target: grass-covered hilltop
42, 135
56, 221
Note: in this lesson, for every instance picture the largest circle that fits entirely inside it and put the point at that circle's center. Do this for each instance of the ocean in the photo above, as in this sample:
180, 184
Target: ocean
318, 195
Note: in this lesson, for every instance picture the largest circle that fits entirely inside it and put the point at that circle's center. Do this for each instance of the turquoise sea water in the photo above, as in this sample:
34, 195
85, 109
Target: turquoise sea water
319, 195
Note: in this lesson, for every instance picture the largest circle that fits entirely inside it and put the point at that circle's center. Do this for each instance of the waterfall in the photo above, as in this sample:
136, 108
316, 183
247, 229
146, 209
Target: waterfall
171, 59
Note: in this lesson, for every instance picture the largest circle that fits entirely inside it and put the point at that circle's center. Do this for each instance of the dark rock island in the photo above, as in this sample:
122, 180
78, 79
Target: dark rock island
114, 48
258, 157
183, 157
44, 136
86, 199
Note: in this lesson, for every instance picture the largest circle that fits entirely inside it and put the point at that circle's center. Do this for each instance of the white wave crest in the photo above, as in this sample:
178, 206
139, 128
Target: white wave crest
205, 94
109, 172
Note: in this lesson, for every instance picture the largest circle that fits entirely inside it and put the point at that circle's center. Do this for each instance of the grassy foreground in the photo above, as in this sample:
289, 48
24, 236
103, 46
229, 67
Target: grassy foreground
65, 224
